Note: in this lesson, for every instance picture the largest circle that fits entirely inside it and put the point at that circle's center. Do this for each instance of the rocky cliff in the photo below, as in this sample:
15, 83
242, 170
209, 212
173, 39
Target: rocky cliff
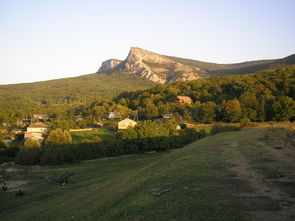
152, 66
164, 69
109, 65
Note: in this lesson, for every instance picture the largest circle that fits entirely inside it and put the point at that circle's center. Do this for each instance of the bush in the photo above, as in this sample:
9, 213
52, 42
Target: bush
59, 137
28, 156
31, 143
55, 154
8, 153
87, 151
218, 128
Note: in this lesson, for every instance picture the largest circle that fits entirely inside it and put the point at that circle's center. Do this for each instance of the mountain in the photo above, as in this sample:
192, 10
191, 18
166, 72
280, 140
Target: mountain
165, 69
152, 66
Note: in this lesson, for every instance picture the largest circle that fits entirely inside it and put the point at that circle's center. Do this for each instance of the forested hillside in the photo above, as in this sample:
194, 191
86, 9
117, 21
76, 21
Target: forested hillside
58, 96
264, 96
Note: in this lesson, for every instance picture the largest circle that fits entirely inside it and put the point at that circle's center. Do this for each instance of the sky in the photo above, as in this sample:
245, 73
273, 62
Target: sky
41, 39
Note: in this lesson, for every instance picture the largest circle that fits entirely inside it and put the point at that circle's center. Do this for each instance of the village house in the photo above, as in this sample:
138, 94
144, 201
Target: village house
126, 123
36, 131
183, 100
40, 116
164, 117
113, 115
167, 116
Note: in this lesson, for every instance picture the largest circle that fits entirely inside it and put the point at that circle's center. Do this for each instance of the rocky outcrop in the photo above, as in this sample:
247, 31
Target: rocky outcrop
152, 66
109, 65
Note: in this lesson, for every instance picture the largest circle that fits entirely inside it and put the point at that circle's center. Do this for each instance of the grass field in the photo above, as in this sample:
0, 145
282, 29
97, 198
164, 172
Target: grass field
104, 133
206, 127
244, 175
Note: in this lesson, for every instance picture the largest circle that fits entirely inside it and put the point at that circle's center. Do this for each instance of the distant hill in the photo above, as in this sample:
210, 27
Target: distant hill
165, 69
67, 92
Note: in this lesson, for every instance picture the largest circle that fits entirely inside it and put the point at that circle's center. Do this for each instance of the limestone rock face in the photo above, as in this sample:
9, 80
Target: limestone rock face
109, 65
152, 66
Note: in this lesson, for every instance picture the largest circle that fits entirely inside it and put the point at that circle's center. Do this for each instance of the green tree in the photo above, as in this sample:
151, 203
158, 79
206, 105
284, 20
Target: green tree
151, 111
206, 113
249, 106
232, 111
98, 111
31, 143
284, 109
59, 136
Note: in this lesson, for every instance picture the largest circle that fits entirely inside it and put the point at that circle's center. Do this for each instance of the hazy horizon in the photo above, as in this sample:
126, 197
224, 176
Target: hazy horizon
43, 40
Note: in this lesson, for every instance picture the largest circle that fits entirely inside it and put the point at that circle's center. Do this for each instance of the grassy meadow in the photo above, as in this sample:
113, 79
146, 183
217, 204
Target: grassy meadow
243, 175
104, 133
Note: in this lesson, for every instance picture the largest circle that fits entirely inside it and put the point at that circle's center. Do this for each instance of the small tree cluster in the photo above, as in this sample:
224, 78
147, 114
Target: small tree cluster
59, 137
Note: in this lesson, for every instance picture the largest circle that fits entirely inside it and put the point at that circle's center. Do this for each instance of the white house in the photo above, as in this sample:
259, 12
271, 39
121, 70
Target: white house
37, 128
113, 115
36, 131
40, 116
124, 124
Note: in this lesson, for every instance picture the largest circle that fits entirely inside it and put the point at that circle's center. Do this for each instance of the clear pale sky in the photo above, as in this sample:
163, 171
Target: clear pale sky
49, 39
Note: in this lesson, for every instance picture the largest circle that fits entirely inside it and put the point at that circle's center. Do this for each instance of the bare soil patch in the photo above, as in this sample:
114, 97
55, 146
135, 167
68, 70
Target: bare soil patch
14, 186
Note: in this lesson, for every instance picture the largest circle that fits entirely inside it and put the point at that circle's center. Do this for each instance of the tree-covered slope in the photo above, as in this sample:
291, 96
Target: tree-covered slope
66, 93
263, 96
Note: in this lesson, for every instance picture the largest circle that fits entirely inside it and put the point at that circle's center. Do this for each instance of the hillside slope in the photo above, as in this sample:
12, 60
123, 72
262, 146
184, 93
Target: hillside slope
68, 91
165, 69
245, 175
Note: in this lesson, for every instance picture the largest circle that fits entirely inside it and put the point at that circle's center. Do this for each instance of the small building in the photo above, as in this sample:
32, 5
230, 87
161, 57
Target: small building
36, 131
183, 100
167, 116
37, 128
126, 123
34, 136
40, 116
113, 115
186, 125
178, 127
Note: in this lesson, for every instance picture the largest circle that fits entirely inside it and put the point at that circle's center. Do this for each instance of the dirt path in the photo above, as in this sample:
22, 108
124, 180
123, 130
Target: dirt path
261, 186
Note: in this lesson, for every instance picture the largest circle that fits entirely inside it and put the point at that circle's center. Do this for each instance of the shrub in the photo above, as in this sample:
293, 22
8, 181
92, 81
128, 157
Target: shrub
28, 156
55, 154
87, 151
31, 143
59, 137
96, 139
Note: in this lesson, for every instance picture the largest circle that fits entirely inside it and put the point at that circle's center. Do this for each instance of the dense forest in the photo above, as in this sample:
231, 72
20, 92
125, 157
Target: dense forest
264, 96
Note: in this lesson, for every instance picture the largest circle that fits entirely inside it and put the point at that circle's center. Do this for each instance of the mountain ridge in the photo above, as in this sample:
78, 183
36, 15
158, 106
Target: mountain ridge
165, 69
